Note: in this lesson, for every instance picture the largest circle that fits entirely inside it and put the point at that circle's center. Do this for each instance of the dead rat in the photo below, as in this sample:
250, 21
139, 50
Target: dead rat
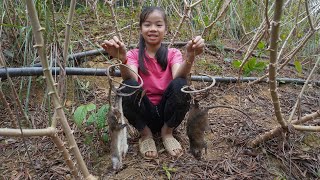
197, 124
118, 134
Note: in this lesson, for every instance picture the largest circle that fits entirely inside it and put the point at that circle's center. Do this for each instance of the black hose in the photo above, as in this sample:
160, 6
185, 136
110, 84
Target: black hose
37, 71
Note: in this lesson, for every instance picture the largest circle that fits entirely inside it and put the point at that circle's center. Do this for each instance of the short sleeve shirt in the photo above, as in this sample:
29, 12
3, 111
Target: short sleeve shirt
157, 80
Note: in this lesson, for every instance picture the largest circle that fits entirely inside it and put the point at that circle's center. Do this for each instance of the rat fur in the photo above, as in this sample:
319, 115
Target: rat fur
118, 134
197, 124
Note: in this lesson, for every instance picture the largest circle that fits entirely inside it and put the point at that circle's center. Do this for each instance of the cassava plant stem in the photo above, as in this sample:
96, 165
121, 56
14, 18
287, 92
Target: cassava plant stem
52, 91
277, 130
62, 80
66, 155
274, 40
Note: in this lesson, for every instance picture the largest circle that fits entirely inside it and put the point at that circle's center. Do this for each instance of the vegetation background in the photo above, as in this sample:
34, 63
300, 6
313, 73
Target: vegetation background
237, 35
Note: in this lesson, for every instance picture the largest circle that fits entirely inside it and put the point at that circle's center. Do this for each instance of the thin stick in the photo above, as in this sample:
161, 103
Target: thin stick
303, 89
2, 96
187, 10
17, 100
289, 35
266, 14
114, 19
308, 15
254, 43
225, 7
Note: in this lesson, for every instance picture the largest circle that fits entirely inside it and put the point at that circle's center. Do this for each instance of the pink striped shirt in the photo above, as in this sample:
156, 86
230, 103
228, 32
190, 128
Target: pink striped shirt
156, 82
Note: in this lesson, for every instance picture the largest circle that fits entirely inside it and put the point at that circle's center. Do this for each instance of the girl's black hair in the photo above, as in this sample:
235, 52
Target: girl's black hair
162, 53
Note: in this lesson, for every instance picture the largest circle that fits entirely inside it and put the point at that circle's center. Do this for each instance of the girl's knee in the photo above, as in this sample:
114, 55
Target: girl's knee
130, 82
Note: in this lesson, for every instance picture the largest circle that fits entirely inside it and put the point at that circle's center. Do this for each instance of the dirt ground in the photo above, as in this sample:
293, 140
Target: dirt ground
295, 157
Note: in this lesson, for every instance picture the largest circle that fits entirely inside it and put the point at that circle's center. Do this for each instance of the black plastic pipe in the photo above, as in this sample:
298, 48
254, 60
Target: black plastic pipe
179, 44
37, 71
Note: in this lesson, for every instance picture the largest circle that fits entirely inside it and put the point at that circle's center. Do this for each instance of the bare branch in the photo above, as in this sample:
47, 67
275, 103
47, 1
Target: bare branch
303, 89
27, 132
114, 19
307, 128
308, 15
196, 3
274, 132
223, 10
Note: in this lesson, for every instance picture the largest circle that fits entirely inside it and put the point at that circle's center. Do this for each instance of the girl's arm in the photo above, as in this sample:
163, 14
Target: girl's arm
116, 48
193, 48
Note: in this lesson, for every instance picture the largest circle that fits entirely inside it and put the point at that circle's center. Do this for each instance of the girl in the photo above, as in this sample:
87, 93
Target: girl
159, 106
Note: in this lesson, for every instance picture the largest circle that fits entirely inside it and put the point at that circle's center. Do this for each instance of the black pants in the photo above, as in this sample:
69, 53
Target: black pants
171, 110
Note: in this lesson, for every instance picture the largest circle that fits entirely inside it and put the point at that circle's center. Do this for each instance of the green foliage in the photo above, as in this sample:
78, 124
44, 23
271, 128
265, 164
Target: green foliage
261, 48
89, 115
298, 66
168, 170
250, 66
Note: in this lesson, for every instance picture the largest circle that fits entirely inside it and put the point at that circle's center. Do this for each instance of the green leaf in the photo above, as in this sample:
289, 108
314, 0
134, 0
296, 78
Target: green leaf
168, 175
298, 66
261, 45
236, 63
260, 66
206, 20
252, 63
102, 116
92, 118
90, 107
80, 114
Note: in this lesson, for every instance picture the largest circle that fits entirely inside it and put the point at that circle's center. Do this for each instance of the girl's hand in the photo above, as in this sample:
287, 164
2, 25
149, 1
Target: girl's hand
195, 46
115, 48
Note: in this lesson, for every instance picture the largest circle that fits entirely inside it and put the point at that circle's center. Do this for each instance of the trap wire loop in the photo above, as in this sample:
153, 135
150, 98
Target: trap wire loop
213, 82
118, 91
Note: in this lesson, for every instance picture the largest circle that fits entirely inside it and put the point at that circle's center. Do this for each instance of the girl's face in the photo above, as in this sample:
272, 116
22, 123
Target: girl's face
153, 28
